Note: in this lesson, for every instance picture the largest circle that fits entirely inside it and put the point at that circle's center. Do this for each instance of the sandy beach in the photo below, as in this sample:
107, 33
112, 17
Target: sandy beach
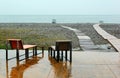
45, 34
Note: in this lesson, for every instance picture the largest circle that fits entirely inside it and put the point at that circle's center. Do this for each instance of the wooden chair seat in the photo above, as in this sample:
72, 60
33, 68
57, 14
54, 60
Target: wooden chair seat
18, 45
28, 46
53, 47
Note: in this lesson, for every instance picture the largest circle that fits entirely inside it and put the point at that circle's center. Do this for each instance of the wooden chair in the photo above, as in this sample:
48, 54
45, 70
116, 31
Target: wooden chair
18, 45
61, 45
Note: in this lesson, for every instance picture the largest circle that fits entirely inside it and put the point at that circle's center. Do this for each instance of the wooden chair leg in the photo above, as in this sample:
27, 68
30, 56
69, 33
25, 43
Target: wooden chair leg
62, 55
6, 54
17, 54
33, 51
6, 50
51, 52
54, 54
43, 50
66, 55
70, 55
26, 53
36, 51
58, 55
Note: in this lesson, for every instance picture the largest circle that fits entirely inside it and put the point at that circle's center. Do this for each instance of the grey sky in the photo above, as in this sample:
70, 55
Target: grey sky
59, 7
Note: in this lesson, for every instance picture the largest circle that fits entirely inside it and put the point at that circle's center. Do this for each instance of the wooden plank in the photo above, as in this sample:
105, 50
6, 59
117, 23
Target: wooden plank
115, 42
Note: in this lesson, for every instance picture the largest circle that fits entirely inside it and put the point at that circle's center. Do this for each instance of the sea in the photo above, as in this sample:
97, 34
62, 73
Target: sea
59, 18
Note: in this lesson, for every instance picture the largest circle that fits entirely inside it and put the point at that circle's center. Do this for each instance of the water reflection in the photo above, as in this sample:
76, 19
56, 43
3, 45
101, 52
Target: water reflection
18, 70
61, 69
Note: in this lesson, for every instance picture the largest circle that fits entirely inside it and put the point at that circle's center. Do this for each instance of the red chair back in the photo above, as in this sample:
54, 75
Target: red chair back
16, 44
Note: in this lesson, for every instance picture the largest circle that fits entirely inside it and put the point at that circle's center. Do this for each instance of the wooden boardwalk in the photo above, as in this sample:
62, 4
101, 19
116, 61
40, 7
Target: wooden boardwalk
84, 65
114, 41
85, 41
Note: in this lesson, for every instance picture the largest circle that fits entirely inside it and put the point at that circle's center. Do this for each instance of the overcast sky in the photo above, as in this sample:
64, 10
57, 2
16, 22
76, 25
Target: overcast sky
60, 7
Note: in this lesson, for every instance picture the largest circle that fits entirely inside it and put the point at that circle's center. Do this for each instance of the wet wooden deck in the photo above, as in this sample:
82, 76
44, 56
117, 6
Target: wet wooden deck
84, 65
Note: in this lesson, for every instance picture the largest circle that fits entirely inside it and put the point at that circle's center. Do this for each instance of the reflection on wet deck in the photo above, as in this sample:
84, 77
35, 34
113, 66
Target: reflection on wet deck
84, 65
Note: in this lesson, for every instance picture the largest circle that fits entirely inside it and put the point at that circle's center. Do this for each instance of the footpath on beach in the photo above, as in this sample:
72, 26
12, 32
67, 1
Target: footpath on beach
114, 41
85, 41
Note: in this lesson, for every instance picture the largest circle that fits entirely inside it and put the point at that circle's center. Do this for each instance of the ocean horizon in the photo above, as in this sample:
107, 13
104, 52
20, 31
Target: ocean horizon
59, 18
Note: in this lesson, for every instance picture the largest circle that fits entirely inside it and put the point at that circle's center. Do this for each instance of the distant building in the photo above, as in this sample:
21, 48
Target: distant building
53, 21
101, 21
